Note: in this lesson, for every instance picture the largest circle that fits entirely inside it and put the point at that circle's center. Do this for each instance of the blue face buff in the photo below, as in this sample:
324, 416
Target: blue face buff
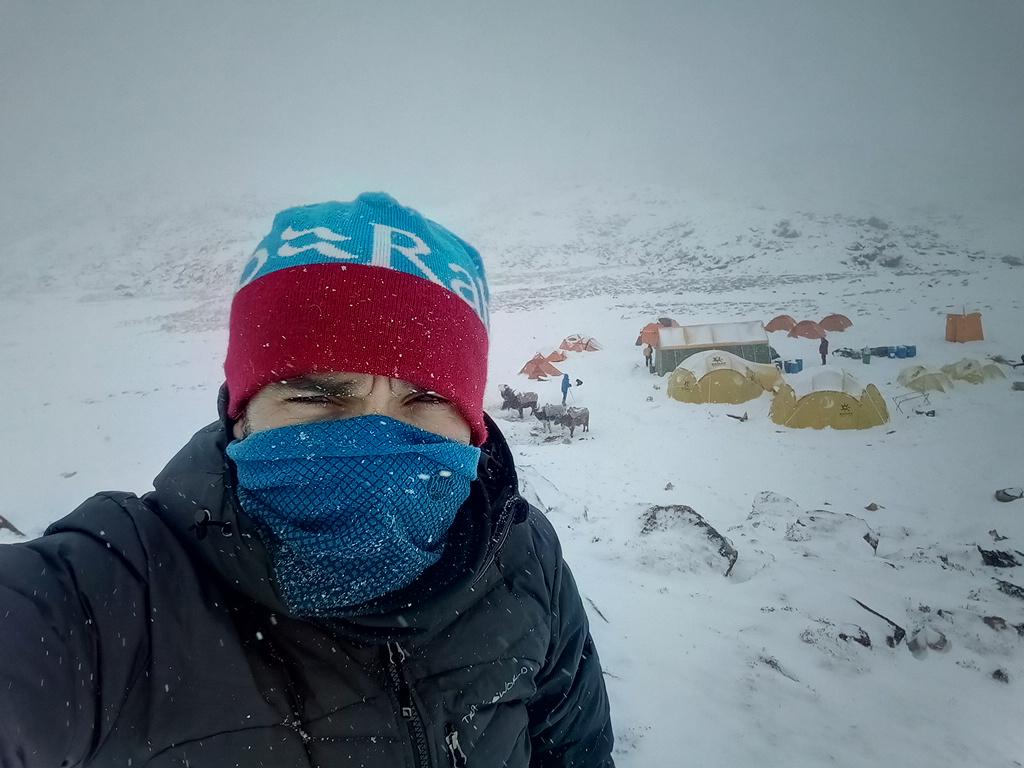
351, 509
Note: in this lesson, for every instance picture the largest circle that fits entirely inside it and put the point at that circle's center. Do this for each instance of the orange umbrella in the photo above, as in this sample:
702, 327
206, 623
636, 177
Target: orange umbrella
807, 329
835, 322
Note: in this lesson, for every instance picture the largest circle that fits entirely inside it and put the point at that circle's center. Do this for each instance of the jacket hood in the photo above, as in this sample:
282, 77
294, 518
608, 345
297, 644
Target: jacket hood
195, 496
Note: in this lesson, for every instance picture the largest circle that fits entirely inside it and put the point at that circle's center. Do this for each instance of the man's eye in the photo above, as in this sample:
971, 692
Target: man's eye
431, 398
309, 399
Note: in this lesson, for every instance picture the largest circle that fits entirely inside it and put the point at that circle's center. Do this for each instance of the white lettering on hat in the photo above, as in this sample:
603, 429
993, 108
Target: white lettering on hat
322, 232
324, 249
321, 246
477, 297
389, 246
384, 245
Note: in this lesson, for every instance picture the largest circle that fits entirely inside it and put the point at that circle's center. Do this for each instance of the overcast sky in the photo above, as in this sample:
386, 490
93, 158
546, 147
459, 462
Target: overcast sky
912, 101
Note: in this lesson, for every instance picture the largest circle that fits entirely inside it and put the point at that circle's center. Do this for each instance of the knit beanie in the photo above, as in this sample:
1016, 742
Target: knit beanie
368, 287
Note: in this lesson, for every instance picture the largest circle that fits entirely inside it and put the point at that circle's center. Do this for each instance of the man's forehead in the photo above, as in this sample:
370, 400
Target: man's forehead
341, 383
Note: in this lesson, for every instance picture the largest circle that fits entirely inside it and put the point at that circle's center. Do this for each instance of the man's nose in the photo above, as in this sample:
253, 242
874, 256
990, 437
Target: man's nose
379, 400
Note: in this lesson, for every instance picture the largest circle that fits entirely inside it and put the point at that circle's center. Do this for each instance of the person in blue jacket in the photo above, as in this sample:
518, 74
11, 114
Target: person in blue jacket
565, 386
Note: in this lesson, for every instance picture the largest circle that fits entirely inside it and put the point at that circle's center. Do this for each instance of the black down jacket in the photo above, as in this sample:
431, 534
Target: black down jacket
147, 632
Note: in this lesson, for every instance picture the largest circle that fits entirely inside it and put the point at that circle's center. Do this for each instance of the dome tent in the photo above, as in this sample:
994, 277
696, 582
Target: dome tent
973, 371
780, 323
828, 398
835, 323
579, 343
649, 333
807, 329
716, 376
538, 367
921, 379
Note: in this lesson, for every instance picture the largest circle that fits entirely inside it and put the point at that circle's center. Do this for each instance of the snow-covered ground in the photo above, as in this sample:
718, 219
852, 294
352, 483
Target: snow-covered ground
111, 355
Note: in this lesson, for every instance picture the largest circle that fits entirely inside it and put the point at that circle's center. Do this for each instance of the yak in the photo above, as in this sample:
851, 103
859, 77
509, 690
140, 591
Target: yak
550, 414
575, 417
517, 401
565, 417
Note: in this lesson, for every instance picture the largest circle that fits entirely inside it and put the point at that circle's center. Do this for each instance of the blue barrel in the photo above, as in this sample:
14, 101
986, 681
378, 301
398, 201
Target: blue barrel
798, 365
892, 352
911, 350
901, 351
787, 366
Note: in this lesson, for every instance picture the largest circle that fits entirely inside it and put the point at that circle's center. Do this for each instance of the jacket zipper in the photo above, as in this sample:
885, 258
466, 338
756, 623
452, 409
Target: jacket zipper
507, 529
417, 731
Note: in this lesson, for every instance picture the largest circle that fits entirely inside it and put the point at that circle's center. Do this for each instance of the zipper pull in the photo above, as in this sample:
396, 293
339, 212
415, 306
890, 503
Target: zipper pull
451, 739
396, 653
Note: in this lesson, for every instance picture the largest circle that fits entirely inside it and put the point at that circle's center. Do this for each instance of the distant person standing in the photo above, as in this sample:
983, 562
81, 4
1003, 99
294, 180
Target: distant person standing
648, 355
823, 350
565, 386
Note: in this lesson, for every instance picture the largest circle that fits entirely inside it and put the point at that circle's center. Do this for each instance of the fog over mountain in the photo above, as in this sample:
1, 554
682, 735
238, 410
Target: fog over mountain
795, 103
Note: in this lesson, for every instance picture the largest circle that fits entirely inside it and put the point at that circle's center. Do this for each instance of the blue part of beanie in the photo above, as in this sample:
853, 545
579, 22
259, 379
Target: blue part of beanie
373, 230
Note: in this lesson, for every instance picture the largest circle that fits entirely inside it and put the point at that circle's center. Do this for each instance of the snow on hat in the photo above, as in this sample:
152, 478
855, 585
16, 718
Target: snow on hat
369, 287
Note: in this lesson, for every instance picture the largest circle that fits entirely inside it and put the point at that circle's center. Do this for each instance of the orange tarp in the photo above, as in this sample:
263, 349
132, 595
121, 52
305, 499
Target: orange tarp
807, 329
538, 367
780, 323
835, 322
964, 327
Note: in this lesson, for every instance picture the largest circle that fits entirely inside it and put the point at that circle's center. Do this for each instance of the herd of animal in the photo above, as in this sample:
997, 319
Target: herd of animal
568, 418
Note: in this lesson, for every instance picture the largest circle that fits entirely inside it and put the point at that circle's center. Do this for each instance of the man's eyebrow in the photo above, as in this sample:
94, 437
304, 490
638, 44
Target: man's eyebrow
321, 385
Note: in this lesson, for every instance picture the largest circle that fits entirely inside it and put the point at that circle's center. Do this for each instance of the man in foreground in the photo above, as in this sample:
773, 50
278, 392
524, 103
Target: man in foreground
339, 571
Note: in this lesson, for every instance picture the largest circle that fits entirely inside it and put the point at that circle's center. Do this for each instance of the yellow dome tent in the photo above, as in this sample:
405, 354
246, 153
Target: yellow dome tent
828, 399
973, 371
716, 376
921, 379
